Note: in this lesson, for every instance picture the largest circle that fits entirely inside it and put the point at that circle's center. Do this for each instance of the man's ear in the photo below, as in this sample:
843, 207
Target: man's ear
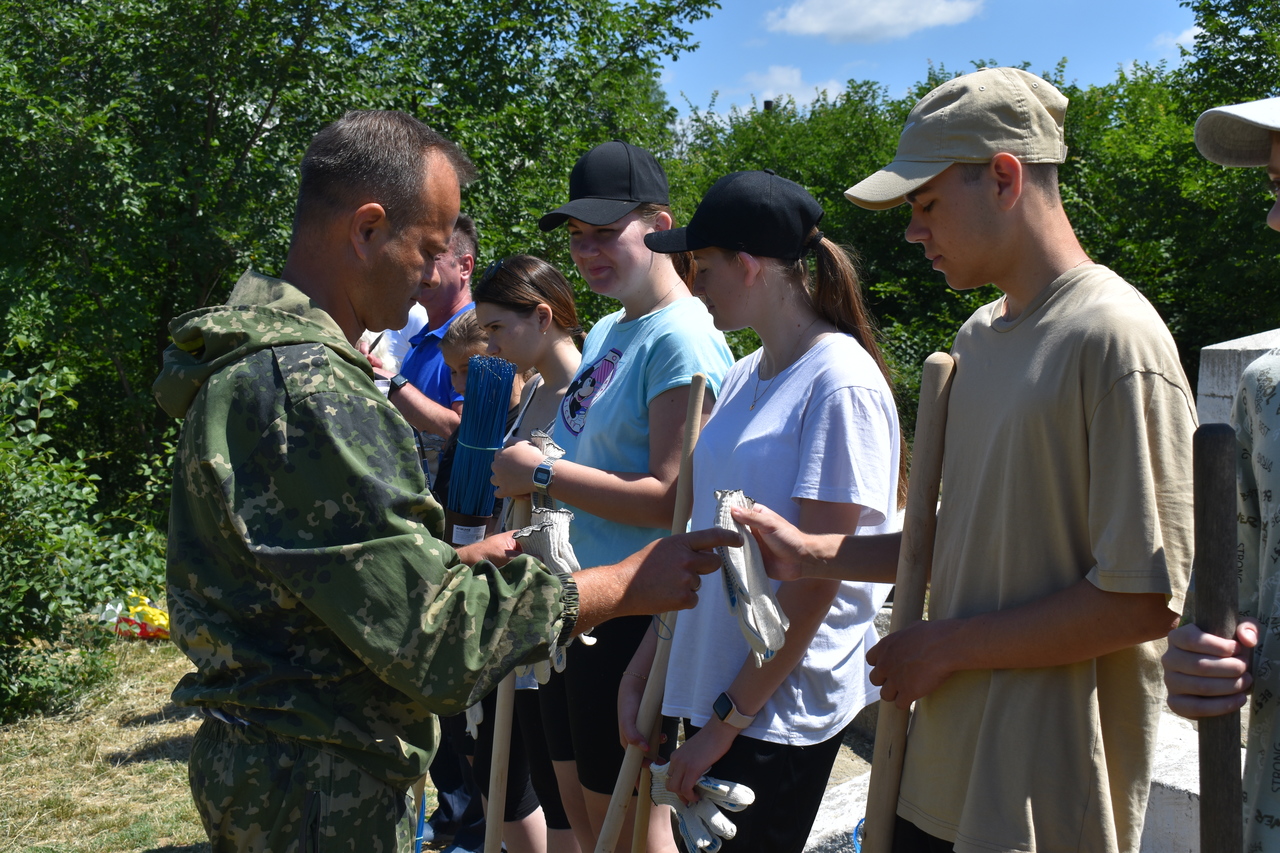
369, 229
467, 266
1007, 173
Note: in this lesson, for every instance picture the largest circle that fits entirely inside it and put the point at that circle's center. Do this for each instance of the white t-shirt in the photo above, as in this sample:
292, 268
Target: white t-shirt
826, 428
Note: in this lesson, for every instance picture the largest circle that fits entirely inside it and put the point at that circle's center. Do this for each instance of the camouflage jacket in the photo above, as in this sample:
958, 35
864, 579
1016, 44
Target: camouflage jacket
306, 580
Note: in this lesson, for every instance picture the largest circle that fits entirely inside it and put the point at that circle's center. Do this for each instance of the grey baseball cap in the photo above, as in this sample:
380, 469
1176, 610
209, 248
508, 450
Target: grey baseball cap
1239, 135
969, 120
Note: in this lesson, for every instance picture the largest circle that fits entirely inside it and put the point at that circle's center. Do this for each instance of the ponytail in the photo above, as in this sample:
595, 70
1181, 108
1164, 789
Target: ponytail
836, 295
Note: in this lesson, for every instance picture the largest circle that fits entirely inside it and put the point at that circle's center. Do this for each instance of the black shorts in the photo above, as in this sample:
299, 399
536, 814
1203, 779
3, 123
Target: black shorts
553, 704
531, 780
909, 838
788, 782
591, 681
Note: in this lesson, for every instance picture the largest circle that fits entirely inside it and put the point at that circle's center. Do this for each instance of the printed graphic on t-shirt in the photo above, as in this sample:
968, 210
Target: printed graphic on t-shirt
589, 385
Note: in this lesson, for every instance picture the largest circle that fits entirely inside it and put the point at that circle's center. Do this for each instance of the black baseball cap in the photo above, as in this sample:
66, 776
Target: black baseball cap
607, 183
758, 213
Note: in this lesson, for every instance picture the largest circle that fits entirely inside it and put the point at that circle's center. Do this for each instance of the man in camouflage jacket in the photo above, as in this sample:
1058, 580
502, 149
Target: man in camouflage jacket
307, 580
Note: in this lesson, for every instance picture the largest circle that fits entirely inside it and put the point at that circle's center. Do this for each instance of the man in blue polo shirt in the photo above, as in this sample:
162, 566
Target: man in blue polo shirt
422, 390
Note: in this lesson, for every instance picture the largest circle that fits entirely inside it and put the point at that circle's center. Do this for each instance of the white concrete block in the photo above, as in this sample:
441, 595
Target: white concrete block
1220, 369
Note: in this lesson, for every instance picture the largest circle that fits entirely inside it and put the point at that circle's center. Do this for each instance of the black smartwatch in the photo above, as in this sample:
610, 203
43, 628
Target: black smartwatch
397, 382
728, 712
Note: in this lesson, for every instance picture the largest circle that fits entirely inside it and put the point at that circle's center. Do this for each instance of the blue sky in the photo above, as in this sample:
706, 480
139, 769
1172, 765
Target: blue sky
769, 47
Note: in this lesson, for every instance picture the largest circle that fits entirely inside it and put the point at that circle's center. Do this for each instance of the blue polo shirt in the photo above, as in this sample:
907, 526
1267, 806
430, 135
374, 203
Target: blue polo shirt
424, 366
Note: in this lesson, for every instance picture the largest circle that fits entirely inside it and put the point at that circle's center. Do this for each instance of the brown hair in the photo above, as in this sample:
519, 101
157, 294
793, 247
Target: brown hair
836, 294
1042, 176
521, 282
682, 261
372, 155
464, 333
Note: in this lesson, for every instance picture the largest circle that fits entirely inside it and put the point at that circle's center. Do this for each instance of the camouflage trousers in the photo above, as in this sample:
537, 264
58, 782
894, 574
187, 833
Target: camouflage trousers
257, 792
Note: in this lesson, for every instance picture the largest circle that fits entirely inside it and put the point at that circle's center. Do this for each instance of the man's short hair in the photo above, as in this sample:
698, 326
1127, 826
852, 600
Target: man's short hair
465, 239
1042, 176
372, 155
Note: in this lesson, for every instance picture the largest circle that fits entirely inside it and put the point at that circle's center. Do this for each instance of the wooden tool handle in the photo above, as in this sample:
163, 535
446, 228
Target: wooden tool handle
915, 557
651, 701
1217, 596
500, 763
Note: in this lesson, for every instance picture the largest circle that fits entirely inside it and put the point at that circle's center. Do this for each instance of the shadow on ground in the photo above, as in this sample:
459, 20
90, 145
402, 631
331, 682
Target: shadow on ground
185, 848
176, 748
170, 713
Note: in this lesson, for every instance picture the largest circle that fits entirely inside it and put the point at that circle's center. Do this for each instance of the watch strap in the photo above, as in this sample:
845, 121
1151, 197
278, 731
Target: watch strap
728, 712
542, 475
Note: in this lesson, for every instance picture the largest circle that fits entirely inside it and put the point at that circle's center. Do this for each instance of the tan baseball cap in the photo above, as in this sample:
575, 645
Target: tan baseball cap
1239, 135
969, 120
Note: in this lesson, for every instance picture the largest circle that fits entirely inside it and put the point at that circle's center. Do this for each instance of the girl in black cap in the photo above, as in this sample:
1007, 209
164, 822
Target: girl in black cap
807, 425
620, 423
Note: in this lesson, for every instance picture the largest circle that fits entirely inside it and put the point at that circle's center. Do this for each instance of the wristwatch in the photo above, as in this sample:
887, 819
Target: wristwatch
397, 382
728, 712
542, 475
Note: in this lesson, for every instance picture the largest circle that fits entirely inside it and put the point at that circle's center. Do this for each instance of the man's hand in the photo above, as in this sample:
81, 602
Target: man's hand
782, 544
513, 469
1209, 676
912, 662
664, 575
497, 549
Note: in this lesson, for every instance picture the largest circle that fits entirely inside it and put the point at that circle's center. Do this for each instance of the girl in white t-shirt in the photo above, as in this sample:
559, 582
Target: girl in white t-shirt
807, 425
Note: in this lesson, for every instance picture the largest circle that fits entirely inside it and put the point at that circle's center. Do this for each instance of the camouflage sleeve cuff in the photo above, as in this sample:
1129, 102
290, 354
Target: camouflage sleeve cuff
569, 598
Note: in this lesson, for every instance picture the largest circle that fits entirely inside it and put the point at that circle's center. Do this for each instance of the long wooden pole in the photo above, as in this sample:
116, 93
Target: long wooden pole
500, 762
1217, 598
915, 558
651, 701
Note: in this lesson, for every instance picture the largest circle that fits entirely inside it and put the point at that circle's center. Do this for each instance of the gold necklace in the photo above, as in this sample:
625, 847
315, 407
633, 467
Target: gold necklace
755, 397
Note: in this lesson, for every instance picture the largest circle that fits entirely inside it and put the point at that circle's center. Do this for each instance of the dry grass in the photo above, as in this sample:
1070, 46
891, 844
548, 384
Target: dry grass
110, 776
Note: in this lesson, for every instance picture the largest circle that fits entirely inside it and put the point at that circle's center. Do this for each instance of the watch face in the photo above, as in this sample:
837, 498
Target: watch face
542, 475
722, 706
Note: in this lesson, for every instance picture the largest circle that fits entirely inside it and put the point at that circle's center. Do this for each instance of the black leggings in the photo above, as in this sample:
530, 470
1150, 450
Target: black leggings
531, 780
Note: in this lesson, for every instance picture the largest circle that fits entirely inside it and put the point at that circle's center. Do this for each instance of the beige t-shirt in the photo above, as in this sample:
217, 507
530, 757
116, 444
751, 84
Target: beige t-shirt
1068, 456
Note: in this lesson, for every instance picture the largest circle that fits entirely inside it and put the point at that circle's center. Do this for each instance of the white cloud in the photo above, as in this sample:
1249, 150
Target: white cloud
1169, 42
869, 20
784, 80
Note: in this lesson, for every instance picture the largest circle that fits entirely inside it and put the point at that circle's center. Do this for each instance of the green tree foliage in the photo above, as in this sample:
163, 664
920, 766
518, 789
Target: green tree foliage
59, 555
151, 149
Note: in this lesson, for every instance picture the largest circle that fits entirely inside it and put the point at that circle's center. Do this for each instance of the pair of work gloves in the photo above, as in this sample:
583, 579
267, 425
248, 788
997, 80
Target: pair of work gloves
750, 596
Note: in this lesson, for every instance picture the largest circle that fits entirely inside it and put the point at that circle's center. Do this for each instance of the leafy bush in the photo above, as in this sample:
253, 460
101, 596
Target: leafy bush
58, 559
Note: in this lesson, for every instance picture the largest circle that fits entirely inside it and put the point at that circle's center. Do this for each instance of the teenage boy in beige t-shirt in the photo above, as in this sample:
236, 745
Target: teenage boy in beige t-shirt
1064, 532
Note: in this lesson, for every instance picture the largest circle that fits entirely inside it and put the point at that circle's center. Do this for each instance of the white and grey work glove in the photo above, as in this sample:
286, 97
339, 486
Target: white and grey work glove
701, 824
547, 539
746, 585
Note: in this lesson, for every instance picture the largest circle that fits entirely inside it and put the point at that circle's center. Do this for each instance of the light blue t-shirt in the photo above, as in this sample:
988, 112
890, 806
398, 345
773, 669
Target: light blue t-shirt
604, 417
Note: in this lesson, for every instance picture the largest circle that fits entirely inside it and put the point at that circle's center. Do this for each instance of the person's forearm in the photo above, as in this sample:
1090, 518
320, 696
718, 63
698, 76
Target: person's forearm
1076, 624
872, 559
638, 499
423, 413
806, 603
